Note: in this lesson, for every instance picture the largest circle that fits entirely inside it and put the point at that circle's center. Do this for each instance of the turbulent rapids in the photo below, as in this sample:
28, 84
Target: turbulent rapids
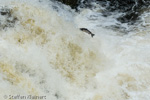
45, 56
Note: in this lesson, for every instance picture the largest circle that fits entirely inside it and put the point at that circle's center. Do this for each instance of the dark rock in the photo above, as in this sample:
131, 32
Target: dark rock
72, 3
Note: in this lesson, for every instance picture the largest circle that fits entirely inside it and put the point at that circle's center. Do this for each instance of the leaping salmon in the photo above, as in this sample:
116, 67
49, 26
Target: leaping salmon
87, 31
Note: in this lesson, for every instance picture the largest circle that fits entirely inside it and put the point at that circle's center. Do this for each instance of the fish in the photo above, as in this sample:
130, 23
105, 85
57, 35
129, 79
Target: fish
87, 31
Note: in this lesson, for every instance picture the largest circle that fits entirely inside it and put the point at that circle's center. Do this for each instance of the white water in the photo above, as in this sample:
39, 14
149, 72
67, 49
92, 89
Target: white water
45, 54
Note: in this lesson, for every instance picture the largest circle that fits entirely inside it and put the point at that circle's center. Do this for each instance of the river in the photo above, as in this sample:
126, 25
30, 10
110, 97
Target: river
43, 53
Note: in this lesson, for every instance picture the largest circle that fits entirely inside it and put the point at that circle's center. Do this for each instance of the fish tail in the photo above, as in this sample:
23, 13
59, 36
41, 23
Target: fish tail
92, 35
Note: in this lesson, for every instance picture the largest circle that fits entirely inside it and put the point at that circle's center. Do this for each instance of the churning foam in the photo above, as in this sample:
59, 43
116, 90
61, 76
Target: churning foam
45, 55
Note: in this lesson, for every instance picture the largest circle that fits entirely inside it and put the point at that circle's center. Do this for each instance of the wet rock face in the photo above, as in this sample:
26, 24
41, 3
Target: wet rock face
7, 19
72, 3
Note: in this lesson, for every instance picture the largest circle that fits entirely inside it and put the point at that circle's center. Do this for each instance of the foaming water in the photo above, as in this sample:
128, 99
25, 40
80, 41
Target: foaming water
45, 54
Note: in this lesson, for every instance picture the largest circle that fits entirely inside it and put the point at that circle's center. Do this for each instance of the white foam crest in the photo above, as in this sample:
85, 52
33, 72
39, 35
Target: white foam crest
43, 54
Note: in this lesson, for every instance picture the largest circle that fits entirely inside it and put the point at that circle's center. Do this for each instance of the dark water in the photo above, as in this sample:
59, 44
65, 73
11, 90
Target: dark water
132, 9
